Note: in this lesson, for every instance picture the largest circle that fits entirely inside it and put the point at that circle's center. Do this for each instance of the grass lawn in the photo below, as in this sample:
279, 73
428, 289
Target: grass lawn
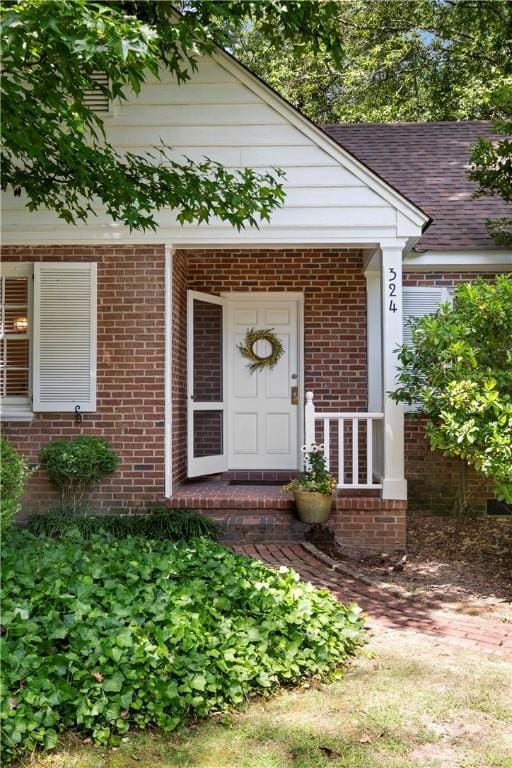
407, 702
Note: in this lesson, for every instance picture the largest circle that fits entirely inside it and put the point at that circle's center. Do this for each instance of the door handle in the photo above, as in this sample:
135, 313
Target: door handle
294, 396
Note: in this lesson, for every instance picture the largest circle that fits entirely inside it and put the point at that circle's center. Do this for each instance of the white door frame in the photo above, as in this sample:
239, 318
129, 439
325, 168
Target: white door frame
298, 297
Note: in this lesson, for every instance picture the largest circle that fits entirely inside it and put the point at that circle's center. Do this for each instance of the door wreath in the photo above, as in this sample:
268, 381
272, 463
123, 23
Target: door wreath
259, 362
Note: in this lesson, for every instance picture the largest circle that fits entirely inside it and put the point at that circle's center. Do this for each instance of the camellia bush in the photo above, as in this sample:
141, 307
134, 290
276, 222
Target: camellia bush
74, 465
105, 634
13, 473
459, 370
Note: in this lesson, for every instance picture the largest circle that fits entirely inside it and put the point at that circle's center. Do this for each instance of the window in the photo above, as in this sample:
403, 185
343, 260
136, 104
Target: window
418, 302
16, 339
48, 338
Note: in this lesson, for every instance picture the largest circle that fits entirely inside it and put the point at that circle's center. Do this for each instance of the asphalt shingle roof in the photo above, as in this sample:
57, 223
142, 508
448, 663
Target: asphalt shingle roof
428, 163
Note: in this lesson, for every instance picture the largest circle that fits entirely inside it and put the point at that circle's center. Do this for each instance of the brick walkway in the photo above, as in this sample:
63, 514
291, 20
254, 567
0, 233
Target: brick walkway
383, 608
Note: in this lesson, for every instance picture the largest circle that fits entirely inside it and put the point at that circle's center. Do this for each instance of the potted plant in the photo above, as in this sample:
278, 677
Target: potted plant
313, 490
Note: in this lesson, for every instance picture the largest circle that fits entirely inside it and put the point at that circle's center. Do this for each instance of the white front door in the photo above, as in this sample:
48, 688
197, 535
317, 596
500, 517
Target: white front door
263, 407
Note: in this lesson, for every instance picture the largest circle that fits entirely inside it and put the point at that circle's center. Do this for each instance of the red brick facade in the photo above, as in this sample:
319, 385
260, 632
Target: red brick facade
130, 385
131, 363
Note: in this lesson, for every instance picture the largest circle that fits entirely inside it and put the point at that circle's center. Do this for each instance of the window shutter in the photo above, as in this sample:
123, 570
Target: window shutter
64, 337
418, 302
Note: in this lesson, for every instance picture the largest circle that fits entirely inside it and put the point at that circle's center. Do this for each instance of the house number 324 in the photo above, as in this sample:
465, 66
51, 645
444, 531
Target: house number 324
392, 290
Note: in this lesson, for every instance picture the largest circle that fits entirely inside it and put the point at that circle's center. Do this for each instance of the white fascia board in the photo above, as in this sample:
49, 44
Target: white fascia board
321, 139
467, 261
118, 234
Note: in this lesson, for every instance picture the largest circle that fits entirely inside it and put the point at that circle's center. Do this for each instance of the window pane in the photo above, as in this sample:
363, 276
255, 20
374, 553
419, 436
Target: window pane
17, 353
207, 352
208, 433
16, 383
16, 290
14, 345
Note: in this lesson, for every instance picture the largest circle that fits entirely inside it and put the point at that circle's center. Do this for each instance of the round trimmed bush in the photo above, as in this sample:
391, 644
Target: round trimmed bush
74, 465
104, 634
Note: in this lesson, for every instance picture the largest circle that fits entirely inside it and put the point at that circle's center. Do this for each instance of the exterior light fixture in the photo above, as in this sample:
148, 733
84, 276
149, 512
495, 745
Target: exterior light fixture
21, 324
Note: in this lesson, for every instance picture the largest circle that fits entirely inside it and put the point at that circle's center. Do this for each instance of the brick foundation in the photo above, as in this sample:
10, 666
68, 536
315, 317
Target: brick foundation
130, 388
267, 514
432, 479
368, 524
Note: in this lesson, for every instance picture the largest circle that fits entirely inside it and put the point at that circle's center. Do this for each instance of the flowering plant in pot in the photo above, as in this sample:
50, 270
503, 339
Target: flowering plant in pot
313, 490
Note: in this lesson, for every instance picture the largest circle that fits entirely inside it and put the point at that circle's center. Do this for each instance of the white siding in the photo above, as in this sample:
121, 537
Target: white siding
217, 115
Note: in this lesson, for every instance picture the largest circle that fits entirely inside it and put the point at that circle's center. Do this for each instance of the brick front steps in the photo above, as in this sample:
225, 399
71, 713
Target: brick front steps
384, 609
255, 513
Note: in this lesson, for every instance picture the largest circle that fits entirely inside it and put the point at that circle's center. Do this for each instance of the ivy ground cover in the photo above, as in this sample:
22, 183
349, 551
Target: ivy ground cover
105, 634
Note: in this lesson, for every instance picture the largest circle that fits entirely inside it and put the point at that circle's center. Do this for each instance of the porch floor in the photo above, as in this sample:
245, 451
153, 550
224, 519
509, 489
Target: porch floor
219, 494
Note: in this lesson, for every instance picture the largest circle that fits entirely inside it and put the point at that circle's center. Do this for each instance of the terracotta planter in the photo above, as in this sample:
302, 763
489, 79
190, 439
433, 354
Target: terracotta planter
312, 507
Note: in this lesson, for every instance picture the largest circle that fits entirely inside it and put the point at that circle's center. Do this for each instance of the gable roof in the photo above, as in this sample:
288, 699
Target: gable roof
428, 162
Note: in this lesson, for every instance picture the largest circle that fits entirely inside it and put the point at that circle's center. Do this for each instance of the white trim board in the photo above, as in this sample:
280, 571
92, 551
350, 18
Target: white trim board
460, 261
168, 444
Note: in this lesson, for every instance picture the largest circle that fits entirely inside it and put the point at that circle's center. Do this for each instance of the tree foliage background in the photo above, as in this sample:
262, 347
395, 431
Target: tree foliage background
492, 164
419, 60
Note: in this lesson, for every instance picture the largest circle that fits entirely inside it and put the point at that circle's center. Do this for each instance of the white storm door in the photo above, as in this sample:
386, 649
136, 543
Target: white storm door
206, 414
263, 406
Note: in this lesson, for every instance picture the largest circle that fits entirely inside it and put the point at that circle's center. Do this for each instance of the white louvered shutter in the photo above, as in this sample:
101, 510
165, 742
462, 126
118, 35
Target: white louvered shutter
64, 337
418, 302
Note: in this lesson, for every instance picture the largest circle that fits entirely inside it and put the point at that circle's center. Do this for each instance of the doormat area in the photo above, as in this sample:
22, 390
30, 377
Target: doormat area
274, 483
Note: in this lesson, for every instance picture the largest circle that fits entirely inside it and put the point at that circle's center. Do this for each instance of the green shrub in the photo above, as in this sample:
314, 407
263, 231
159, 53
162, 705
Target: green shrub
459, 370
13, 473
106, 634
158, 523
73, 465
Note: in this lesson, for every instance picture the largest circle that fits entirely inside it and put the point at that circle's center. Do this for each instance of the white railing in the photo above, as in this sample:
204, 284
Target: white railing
358, 435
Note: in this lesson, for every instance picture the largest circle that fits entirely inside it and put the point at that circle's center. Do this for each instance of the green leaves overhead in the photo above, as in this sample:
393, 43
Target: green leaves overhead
54, 148
106, 634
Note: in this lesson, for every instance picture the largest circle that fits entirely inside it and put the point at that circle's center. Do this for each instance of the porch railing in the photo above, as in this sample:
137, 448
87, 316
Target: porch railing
353, 444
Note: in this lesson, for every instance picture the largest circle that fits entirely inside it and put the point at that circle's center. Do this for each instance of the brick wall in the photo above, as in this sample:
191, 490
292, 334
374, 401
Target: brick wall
130, 388
432, 478
334, 309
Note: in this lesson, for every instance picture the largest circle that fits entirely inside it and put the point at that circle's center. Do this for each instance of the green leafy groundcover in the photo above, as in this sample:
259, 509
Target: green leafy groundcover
105, 633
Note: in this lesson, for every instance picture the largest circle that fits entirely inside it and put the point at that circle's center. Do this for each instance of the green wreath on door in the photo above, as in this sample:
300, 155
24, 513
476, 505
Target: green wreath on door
258, 362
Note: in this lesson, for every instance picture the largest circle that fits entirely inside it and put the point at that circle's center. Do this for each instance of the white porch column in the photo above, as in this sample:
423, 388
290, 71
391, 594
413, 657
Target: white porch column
394, 485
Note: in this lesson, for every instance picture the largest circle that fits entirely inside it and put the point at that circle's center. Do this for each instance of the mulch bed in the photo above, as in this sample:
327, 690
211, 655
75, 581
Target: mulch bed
463, 565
